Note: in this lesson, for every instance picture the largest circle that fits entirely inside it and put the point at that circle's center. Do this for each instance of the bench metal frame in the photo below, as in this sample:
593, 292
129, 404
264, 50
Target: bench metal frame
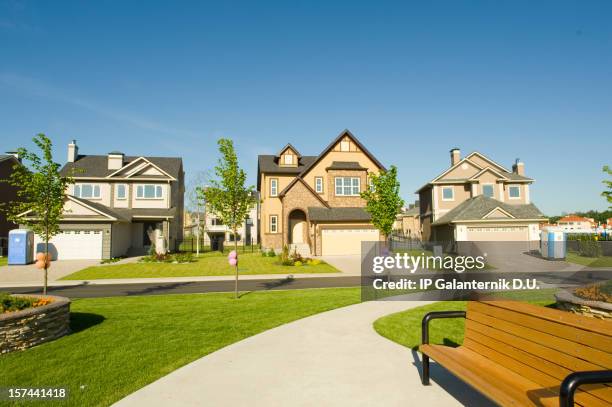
567, 389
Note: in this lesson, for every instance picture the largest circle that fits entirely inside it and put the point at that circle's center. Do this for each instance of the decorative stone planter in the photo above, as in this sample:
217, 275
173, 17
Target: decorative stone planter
567, 301
33, 326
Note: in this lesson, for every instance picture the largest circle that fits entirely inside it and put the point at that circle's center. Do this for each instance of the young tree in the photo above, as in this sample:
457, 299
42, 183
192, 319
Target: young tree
608, 192
195, 202
41, 193
383, 201
228, 197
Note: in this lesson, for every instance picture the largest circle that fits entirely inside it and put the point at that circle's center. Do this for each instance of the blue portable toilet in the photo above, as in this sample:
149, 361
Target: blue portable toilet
21, 246
553, 244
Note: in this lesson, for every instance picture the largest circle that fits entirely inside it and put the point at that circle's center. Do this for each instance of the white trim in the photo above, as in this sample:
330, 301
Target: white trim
501, 192
275, 217
434, 204
275, 182
518, 220
501, 167
474, 190
479, 173
497, 208
526, 193
344, 186
125, 195
316, 185
514, 197
155, 198
138, 168
452, 190
482, 189
455, 166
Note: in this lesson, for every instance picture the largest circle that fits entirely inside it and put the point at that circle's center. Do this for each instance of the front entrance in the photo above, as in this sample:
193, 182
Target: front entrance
297, 227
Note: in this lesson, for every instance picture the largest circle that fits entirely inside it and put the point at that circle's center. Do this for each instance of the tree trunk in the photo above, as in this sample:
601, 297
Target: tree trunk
46, 259
198, 232
236, 250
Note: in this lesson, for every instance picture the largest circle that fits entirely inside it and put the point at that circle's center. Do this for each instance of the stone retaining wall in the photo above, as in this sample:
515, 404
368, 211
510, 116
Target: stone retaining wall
24, 329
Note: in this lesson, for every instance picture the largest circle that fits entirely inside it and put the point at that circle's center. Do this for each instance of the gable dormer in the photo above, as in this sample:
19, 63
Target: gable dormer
288, 157
346, 144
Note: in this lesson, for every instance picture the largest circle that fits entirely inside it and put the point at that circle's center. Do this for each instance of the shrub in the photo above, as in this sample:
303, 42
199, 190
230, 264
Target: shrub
314, 262
287, 262
183, 257
298, 263
12, 304
589, 248
264, 253
596, 292
271, 253
285, 253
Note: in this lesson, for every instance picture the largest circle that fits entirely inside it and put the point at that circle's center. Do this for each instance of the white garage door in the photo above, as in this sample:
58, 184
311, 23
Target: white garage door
344, 242
497, 233
73, 244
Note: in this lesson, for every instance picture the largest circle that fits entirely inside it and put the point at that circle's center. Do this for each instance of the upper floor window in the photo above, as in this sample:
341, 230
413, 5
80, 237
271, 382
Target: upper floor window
273, 187
149, 191
319, 185
87, 191
448, 194
514, 192
289, 159
487, 190
273, 224
348, 186
121, 191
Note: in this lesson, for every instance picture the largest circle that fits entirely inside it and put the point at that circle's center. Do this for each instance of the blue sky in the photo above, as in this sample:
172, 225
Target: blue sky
410, 79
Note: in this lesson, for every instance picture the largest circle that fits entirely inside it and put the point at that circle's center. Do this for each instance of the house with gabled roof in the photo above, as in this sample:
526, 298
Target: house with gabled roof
478, 199
116, 203
312, 203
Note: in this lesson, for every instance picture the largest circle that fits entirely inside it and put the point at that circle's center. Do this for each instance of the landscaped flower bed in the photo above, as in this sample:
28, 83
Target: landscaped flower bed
594, 300
26, 321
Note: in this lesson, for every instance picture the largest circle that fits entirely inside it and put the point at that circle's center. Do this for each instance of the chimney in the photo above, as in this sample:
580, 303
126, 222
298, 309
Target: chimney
14, 154
455, 156
115, 160
73, 151
518, 167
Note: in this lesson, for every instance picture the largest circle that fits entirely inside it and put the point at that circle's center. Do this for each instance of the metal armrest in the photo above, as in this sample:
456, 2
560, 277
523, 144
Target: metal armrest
574, 380
425, 335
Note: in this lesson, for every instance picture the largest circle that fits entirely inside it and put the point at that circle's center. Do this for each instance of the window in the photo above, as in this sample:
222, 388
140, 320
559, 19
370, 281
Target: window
121, 191
87, 191
348, 186
149, 191
319, 185
487, 190
514, 192
288, 159
273, 223
448, 194
371, 184
344, 146
273, 187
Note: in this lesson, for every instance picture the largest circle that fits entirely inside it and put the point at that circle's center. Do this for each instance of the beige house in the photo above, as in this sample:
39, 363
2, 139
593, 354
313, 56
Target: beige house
115, 202
312, 203
408, 223
477, 199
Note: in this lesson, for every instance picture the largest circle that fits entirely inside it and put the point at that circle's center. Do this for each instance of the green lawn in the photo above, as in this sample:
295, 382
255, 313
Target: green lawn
405, 327
3, 261
120, 344
208, 264
604, 261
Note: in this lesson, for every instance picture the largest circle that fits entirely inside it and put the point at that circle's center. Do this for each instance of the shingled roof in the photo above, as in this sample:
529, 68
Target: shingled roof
345, 165
97, 165
478, 207
316, 214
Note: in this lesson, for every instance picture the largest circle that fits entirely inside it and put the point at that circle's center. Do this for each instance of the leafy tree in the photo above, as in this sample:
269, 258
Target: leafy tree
41, 191
227, 196
608, 183
196, 203
383, 201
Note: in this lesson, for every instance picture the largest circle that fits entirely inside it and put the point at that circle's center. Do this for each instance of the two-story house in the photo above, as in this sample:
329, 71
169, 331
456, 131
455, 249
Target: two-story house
477, 199
312, 203
115, 202
8, 194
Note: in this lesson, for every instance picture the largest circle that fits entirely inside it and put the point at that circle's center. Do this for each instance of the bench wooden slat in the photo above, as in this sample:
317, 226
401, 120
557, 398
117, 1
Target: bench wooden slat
552, 355
592, 355
531, 373
556, 372
571, 333
567, 318
502, 385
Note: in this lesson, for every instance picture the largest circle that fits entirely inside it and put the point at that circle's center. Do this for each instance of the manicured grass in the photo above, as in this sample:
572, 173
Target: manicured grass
604, 261
121, 344
3, 261
208, 264
405, 327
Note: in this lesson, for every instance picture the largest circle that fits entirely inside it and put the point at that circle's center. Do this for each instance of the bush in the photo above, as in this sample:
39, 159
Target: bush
314, 262
285, 254
298, 263
297, 257
287, 262
183, 257
12, 304
596, 292
271, 253
589, 248
264, 253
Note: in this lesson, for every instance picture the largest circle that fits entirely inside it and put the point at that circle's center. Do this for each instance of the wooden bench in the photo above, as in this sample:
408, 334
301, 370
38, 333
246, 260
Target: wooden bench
518, 354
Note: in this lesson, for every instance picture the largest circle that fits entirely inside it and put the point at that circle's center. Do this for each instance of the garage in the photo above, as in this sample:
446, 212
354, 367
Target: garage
344, 242
73, 245
494, 233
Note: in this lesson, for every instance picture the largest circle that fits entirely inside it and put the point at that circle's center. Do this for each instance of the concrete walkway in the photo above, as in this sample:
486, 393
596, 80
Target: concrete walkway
330, 359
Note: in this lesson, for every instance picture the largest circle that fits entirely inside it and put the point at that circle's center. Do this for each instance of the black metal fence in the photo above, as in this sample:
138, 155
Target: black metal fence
400, 242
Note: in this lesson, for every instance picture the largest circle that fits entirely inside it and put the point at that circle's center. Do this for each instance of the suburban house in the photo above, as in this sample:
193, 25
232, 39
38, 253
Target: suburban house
8, 193
408, 223
116, 203
312, 203
577, 224
215, 234
477, 199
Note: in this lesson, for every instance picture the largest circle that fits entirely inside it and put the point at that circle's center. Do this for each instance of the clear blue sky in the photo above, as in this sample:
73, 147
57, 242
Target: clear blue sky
410, 79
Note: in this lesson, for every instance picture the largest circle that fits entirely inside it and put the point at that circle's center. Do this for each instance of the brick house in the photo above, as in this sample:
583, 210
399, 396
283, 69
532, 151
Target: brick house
312, 204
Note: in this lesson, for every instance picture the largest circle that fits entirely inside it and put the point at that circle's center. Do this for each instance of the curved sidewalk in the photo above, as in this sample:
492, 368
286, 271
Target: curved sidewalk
329, 359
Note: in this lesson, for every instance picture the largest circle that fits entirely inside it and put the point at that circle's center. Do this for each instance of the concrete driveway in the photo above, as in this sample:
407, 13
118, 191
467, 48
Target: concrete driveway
349, 265
30, 274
